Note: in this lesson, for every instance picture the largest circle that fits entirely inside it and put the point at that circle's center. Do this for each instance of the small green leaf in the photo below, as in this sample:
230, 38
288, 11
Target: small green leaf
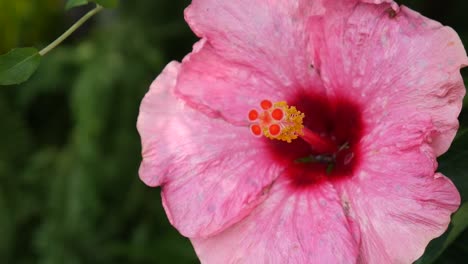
74, 3
107, 3
18, 65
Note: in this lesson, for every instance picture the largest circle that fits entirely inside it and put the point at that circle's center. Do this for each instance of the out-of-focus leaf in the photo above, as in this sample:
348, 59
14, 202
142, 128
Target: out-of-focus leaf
464, 72
6, 229
25, 23
62, 63
457, 252
74, 3
459, 222
15, 143
453, 164
107, 3
18, 65
465, 99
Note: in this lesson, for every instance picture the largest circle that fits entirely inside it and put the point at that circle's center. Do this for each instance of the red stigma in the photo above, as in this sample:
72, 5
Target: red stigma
277, 114
274, 129
253, 115
266, 104
256, 130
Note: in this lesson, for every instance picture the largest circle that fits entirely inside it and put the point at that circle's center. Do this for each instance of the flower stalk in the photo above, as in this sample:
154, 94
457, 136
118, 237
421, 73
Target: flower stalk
70, 31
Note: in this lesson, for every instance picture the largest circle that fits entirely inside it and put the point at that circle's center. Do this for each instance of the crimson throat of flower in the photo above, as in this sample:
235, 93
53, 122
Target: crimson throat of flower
279, 121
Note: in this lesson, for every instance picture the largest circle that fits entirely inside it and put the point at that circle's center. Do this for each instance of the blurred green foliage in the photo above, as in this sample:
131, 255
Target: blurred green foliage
70, 151
27, 22
105, 3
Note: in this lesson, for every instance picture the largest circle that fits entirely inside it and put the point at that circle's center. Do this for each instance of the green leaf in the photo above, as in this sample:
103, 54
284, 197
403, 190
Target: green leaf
459, 223
465, 99
107, 3
457, 252
437, 246
74, 3
453, 164
18, 65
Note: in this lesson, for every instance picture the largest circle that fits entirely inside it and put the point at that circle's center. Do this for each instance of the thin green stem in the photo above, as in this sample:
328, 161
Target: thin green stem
72, 29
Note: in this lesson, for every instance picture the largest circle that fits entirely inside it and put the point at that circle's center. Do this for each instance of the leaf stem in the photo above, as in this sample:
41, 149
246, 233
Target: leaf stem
72, 29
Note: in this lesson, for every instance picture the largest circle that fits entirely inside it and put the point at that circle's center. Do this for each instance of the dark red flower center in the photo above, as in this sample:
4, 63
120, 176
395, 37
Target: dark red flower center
336, 120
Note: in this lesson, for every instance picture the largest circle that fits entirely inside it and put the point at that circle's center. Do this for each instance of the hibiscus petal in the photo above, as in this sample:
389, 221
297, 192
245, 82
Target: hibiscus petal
291, 226
398, 201
224, 89
392, 3
211, 172
389, 60
266, 34
253, 51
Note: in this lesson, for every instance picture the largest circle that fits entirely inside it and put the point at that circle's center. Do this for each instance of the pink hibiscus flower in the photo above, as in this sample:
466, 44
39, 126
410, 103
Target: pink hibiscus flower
306, 131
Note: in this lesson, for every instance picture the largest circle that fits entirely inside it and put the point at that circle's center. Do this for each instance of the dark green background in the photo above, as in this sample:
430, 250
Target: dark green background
69, 155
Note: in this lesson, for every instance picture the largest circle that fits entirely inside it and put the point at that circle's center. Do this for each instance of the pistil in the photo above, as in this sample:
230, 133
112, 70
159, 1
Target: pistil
319, 144
278, 121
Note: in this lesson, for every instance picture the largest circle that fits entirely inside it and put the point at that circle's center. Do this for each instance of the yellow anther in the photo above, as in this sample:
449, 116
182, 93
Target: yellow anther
291, 125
